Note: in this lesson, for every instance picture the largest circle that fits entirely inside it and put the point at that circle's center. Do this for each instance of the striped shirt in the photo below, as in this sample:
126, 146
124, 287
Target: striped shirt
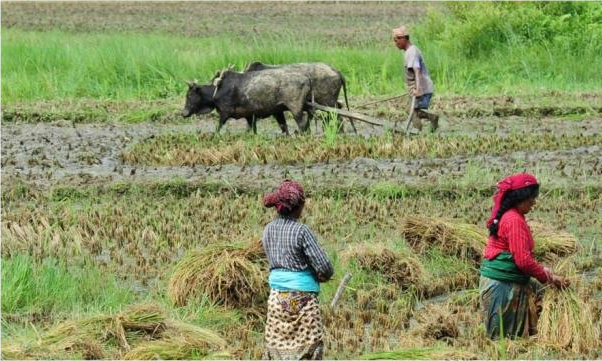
514, 236
292, 245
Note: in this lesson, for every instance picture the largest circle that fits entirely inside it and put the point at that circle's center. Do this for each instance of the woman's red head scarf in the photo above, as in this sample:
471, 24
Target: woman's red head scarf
510, 183
289, 196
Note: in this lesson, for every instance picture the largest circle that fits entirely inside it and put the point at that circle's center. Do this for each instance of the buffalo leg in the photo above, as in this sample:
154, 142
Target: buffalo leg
251, 124
281, 122
222, 121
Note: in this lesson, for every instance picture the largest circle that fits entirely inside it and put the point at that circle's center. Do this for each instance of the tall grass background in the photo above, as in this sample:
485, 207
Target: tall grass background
473, 48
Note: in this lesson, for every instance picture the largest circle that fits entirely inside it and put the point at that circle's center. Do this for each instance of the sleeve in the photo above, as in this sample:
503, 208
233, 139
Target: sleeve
519, 243
411, 58
317, 258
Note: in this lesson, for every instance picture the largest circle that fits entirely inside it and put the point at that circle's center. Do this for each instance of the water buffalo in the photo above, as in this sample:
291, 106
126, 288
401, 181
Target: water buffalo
326, 80
252, 95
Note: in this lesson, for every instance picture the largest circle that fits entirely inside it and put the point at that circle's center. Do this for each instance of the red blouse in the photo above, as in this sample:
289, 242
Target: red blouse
514, 236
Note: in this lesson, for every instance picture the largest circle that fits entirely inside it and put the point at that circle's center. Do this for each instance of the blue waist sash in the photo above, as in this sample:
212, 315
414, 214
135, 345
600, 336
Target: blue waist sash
287, 280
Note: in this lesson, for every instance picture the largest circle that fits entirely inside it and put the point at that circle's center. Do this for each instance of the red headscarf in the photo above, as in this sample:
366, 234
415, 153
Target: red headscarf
510, 183
289, 196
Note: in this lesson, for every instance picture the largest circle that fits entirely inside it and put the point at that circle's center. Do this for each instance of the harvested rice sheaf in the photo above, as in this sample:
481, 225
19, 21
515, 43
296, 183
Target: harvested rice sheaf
181, 341
467, 240
453, 238
232, 275
403, 270
566, 320
98, 336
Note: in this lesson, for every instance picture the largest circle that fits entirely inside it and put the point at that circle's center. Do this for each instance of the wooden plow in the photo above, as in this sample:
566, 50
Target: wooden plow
353, 115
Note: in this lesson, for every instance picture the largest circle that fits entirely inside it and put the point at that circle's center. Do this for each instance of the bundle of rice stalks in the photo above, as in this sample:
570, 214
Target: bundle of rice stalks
403, 270
231, 275
423, 353
181, 341
467, 240
86, 336
551, 244
455, 239
437, 322
566, 319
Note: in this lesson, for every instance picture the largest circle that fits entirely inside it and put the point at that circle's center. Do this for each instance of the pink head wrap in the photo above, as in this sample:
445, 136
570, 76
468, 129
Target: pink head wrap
289, 196
510, 183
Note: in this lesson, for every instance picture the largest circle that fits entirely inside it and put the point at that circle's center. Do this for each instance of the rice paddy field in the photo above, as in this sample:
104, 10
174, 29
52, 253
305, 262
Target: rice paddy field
130, 232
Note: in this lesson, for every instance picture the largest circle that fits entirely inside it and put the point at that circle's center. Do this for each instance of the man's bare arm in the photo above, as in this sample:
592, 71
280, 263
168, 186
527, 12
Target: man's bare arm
417, 90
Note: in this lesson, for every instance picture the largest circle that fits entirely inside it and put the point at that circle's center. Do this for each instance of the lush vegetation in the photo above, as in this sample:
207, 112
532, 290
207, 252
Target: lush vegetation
469, 48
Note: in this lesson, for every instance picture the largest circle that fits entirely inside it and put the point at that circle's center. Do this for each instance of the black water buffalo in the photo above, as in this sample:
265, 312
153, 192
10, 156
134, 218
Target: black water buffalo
252, 95
326, 80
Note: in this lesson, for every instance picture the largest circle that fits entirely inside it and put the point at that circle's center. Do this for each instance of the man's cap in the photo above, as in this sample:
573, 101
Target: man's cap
400, 31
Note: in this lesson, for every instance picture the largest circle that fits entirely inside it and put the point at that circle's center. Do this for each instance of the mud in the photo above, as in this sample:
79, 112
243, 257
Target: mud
48, 154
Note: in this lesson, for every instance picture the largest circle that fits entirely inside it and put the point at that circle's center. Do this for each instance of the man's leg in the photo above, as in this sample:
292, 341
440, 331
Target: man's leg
423, 103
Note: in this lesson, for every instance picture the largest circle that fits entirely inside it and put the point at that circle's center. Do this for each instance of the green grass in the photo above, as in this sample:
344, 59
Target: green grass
56, 65
50, 287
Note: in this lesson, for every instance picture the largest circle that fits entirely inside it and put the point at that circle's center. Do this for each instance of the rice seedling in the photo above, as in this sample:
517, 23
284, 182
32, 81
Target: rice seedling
566, 319
403, 270
232, 275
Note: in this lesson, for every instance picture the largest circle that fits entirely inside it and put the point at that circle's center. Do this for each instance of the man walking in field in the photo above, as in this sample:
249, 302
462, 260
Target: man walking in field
417, 77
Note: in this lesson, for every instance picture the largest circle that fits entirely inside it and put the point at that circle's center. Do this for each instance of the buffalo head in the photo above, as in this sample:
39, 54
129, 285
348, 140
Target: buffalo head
199, 99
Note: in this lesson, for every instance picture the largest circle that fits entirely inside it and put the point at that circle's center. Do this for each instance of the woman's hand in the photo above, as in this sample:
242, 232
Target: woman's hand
321, 277
560, 282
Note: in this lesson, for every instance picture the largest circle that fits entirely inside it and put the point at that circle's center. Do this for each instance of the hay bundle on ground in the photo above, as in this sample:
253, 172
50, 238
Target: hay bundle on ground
455, 239
566, 320
181, 341
232, 275
95, 337
437, 322
423, 353
403, 270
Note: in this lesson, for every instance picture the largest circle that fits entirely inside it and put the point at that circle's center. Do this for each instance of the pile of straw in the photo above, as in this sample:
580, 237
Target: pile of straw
231, 275
468, 241
180, 341
437, 322
454, 239
403, 270
129, 332
566, 320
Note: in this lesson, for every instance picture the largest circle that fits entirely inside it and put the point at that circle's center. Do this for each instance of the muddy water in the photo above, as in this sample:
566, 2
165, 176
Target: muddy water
56, 153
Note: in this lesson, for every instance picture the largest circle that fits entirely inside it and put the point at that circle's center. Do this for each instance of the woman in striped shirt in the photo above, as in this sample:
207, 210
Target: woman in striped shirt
508, 296
294, 329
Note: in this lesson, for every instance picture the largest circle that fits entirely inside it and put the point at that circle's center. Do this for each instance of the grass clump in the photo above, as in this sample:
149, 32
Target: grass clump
231, 275
38, 290
422, 353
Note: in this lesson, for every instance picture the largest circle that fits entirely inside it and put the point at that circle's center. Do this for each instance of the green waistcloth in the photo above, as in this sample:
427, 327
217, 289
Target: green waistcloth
502, 268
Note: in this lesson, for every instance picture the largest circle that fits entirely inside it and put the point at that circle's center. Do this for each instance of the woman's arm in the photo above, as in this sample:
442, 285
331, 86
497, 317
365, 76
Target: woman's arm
317, 258
519, 241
